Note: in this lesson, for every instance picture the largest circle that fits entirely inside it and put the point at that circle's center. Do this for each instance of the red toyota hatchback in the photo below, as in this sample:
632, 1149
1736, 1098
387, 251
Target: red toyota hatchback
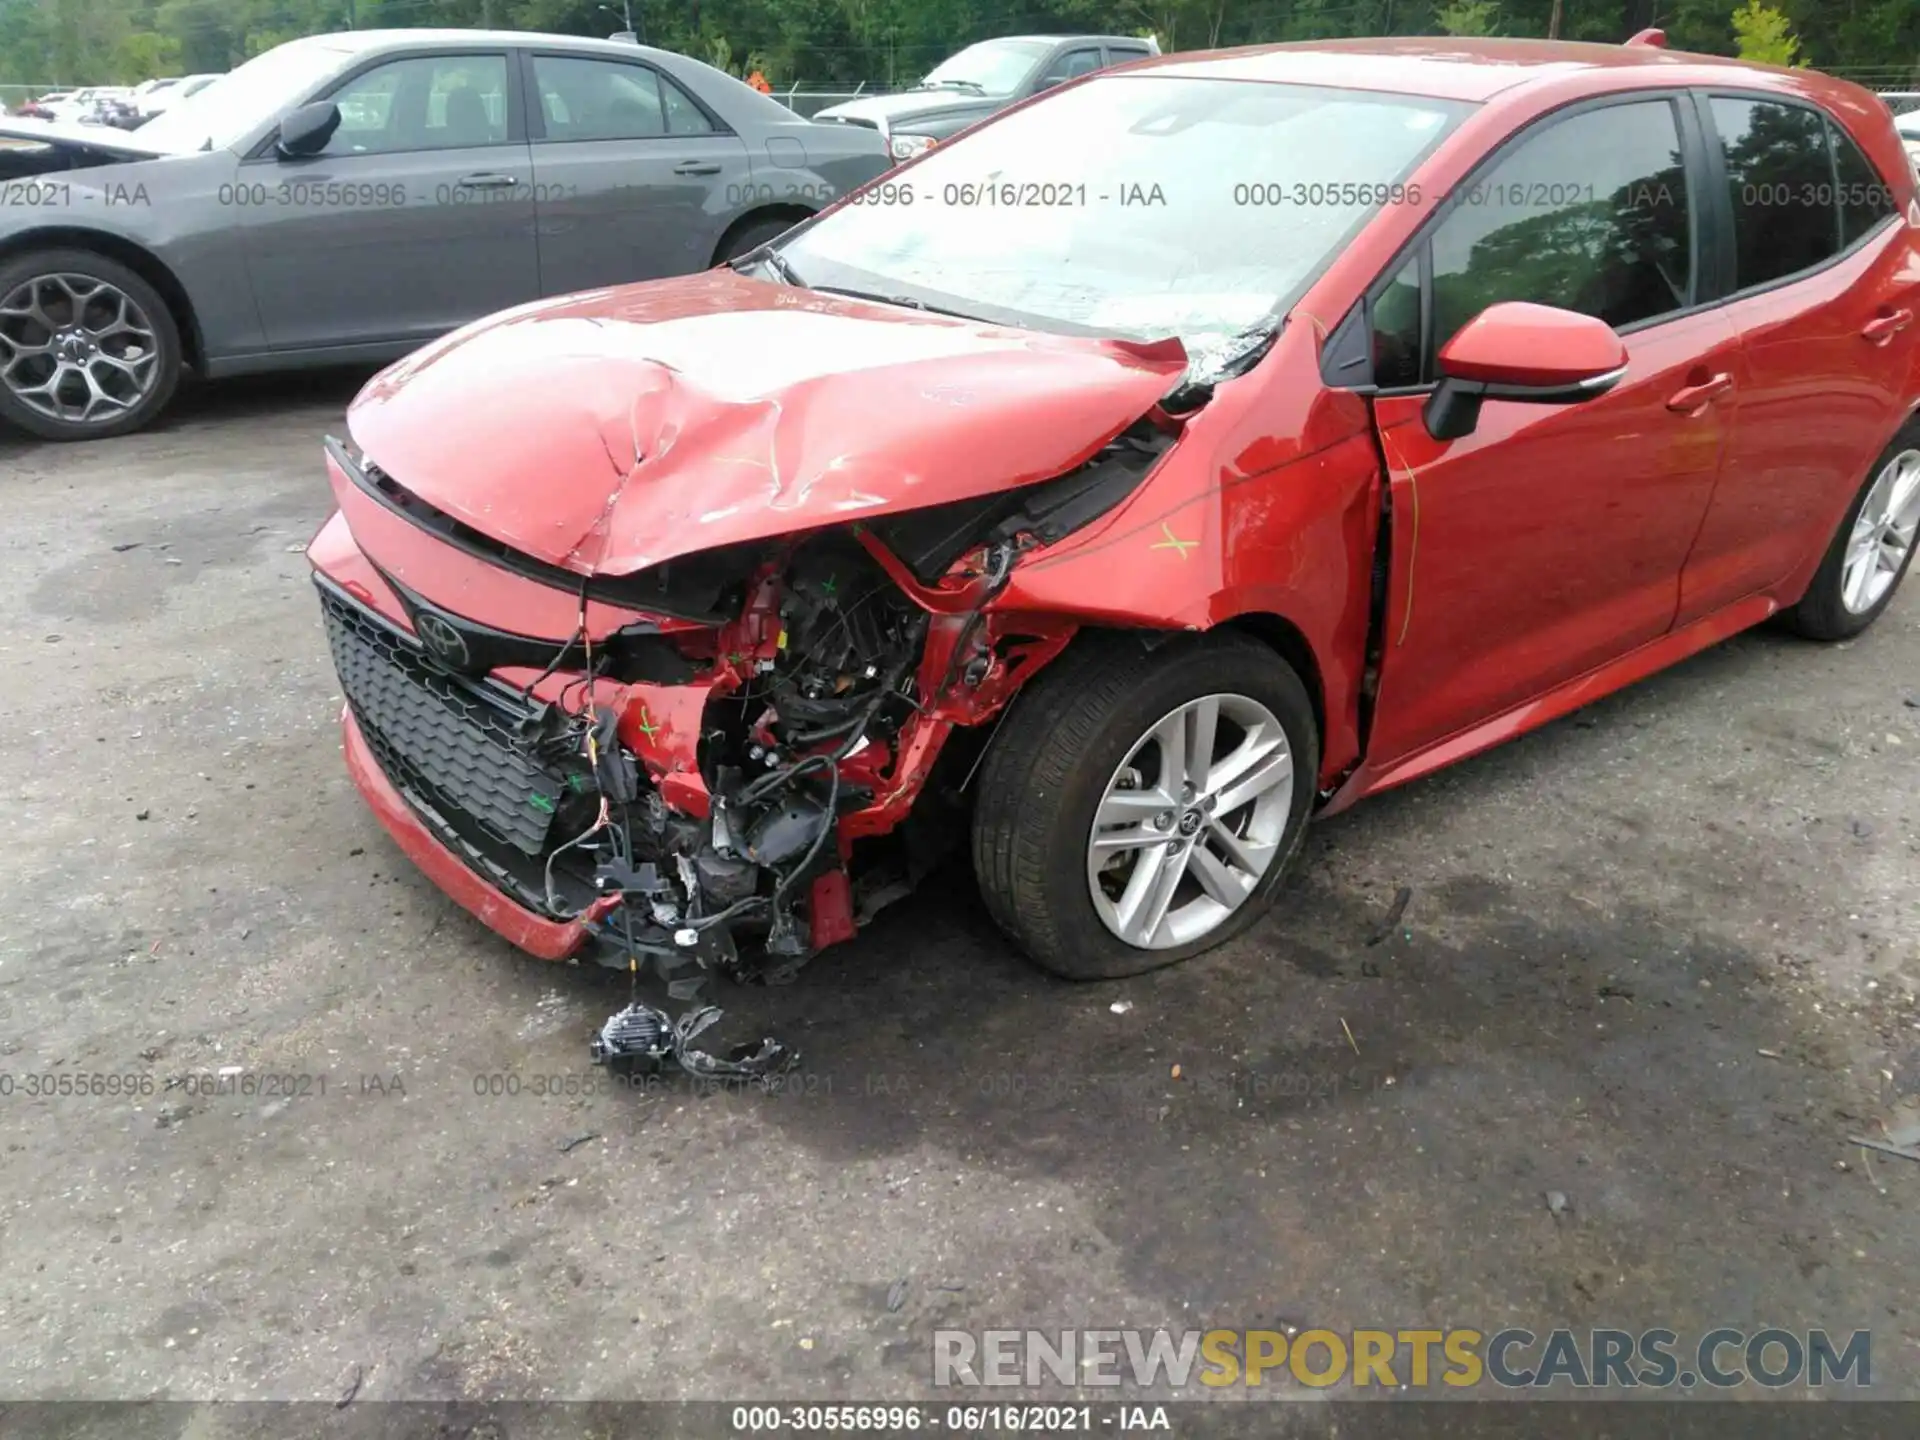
1208, 443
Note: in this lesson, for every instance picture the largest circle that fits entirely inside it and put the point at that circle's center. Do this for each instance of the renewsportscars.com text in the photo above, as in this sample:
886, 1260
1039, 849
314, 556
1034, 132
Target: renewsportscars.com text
1511, 1358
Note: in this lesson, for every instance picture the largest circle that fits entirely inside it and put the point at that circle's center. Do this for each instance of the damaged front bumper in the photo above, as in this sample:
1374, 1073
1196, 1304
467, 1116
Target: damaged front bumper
726, 789
579, 820
538, 935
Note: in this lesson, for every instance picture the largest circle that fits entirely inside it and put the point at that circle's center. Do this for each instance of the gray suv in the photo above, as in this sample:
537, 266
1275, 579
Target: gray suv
345, 198
980, 80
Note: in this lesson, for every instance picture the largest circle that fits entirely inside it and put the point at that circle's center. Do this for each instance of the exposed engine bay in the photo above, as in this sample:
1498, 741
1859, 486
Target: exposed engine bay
740, 782
799, 730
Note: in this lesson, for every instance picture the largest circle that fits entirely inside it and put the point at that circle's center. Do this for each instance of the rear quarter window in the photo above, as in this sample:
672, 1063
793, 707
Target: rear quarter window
1865, 197
1780, 183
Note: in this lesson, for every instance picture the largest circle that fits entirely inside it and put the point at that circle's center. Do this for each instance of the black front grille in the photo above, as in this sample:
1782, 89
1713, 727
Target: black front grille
447, 741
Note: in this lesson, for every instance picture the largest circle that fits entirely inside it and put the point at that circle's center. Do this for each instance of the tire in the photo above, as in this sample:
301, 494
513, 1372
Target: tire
750, 235
1060, 753
1885, 514
80, 284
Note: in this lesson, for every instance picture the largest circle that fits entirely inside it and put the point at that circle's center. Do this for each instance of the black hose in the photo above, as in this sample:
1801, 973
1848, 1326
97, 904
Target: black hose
827, 824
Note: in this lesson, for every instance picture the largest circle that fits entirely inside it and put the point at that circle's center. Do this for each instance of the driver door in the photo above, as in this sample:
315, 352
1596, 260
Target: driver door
1551, 539
416, 218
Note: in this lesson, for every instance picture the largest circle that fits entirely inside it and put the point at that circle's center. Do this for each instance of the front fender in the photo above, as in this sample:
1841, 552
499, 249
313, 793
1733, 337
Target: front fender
1267, 506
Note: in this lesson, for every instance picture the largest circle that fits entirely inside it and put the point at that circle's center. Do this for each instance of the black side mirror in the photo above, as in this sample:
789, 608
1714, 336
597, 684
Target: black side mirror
307, 130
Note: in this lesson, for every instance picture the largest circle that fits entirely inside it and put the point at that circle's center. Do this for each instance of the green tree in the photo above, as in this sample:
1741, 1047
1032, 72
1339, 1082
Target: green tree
1764, 35
139, 54
1469, 17
834, 44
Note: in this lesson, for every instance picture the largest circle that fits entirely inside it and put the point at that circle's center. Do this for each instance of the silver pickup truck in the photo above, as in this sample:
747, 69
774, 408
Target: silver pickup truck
980, 80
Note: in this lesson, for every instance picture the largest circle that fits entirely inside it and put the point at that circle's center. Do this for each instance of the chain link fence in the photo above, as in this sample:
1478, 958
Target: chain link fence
807, 103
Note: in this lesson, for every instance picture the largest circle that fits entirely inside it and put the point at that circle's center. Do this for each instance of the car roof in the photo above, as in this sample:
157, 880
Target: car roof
359, 41
1063, 39
1458, 69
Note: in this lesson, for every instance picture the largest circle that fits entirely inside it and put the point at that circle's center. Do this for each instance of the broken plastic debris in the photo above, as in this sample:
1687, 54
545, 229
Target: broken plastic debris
640, 1039
1401, 898
1904, 1142
1121, 1007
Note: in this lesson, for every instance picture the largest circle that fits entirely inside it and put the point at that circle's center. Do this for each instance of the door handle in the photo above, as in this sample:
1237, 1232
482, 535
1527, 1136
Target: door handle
486, 180
1883, 328
697, 167
1692, 397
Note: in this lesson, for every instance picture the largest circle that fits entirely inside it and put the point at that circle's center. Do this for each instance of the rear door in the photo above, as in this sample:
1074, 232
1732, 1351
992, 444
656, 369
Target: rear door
633, 176
416, 218
1824, 281
1551, 539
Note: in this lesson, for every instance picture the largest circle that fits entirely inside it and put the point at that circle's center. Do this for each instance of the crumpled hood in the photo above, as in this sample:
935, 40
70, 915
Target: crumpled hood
615, 429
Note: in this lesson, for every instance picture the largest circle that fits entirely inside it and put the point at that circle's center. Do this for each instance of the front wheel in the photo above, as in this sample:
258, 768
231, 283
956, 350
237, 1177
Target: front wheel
87, 347
1139, 806
1871, 550
750, 236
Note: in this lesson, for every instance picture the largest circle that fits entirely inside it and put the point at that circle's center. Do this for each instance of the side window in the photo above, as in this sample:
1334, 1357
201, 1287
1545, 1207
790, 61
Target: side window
1070, 66
1865, 198
683, 116
610, 100
366, 111
1589, 214
427, 102
1395, 328
1780, 181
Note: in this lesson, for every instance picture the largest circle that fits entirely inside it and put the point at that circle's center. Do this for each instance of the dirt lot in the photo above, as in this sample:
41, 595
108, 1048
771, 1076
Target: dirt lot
1660, 958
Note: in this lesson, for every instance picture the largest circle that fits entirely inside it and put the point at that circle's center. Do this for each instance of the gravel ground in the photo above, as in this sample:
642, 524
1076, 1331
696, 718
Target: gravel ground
1660, 958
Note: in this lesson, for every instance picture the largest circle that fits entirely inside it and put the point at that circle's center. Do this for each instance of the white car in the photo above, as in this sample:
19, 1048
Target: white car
67, 106
81, 106
170, 92
147, 90
101, 102
1909, 127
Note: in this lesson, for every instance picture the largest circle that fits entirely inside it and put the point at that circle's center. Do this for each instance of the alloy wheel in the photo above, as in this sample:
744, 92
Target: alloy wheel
76, 348
1883, 533
1190, 822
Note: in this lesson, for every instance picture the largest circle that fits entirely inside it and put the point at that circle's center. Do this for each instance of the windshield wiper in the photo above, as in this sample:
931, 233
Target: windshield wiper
974, 85
774, 261
905, 301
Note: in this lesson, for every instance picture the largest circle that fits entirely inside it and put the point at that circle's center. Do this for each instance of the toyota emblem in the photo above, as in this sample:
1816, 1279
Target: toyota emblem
444, 642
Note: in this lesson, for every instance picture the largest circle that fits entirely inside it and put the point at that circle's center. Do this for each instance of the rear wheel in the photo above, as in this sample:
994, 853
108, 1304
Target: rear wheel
1139, 806
1871, 550
87, 348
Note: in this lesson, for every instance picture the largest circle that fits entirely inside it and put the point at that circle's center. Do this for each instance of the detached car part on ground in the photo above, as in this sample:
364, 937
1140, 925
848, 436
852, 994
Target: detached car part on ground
344, 198
684, 624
